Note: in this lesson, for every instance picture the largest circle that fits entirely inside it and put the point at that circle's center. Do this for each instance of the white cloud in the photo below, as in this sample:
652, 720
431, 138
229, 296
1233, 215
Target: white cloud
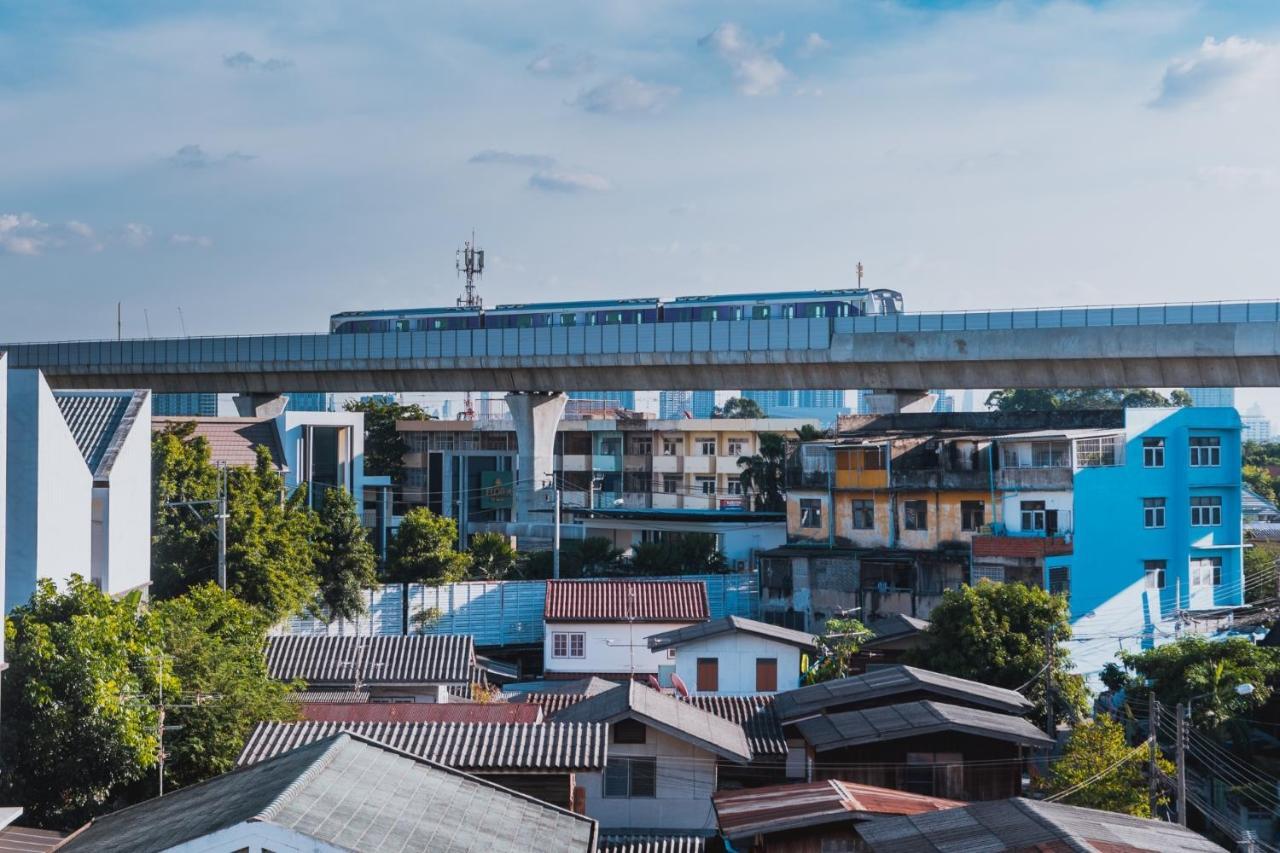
533, 161
626, 94
559, 61
1232, 67
135, 234
812, 45
756, 71
194, 157
245, 61
1240, 177
568, 181
194, 240
22, 234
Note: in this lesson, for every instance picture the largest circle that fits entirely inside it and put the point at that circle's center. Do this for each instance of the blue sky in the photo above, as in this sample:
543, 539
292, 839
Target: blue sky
262, 165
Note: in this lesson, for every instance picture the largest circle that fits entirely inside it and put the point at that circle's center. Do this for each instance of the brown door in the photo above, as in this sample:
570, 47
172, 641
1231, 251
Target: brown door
708, 675
766, 675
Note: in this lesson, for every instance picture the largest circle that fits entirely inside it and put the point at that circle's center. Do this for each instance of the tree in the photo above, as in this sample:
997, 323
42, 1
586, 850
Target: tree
345, 561
1260, 567
997, 633
1094, 746
492, 557
838, 646
809, 432
738, 407
214, 647
678, 553
1049, 399
578, 558
79, 721
183, 539
384, 446
762, 474
422, 550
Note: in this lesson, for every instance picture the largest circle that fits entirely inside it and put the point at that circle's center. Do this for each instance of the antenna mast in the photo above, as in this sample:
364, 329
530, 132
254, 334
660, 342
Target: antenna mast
470, 262
859, 273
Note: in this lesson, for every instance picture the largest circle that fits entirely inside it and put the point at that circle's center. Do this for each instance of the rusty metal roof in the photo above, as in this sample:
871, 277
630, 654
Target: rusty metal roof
755, 715
777, 808
473, 747
22, 839
422, 659
909, 719
423, 712
622, 601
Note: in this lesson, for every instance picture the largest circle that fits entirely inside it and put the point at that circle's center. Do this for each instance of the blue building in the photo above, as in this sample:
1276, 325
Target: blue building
618, 399
199, 405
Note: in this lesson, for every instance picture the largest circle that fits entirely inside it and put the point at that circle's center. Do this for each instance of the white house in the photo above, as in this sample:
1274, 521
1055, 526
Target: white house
736, 656
603, 627
662, 759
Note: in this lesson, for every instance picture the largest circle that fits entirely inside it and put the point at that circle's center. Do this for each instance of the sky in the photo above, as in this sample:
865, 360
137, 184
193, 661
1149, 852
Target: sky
255, 167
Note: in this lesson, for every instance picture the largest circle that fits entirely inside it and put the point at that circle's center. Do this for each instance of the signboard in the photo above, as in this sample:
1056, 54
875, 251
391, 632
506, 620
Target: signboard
495, 489
731, 503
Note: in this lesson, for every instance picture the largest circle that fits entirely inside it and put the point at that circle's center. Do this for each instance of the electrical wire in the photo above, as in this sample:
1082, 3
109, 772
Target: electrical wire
1079, 786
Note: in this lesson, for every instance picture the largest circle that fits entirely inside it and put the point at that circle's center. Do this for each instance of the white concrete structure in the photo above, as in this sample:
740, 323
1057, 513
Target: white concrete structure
735, 656
323, 449
572, 649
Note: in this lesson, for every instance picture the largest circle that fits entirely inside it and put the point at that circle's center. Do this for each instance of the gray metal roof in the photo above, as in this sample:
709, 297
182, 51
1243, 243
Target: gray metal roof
558, 747
100, 421
418, 659
892, 722
640, 843
891, 681
729, 625
754, 714
679, 719
330, 697
895, 625
1019, 824
348, 792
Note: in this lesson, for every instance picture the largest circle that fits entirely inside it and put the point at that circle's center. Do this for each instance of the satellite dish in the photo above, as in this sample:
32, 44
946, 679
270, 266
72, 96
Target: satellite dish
653, 682
681, 687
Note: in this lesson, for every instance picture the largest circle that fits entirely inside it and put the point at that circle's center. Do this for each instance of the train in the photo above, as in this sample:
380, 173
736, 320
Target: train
857, 302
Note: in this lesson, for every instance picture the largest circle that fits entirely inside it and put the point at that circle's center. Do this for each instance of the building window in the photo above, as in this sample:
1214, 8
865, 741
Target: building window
1011, 458
733, 486
737, 447
1033, 515
671, 446
1096, 452
864, 515
670, 483
915, 515
1153, 453
1060, 580
631, 777
568, 645
641, 445
1153, 512
810, 513
706, 447
706, 485
979, 572
1206, 571
628, 731
973, 515
708, 675
1206, 511
766, 675
1155, 573
1206, 451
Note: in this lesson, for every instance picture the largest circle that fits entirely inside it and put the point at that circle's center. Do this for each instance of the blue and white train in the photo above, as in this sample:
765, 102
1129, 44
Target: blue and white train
627, 312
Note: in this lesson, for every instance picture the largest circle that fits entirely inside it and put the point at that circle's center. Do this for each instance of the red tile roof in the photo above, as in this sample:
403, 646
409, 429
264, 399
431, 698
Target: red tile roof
622, 601
232, 440
422, 712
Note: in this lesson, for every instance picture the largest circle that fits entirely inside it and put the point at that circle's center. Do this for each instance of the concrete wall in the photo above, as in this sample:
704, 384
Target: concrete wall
1011, 507
126, 505
610, 647
737, 653
291, 427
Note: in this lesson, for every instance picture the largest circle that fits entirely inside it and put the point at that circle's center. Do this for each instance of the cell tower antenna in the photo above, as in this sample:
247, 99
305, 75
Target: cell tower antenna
470, 262
859, 273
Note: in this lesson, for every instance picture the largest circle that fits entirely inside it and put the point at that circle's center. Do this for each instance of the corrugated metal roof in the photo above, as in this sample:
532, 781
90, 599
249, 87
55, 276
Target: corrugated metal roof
423, 712
891, 722
889, 681
1020, 824
99, 422
232, 441
679, 719
653, 843
622, 601
341, 697
372, 660
782, 807
896, 625
350, 793
730, 625
754, 714
552, 703
558, 747
20, 839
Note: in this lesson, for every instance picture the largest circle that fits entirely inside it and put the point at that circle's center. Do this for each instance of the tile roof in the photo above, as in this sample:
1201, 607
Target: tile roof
473, 747
679, 719
729, 625
418, 659
1027, 825
100, 421
422, 712
755, 715
892, 722
638, 843
348, 792
21, 839
621, 601
783, 807
889, 681
232, 440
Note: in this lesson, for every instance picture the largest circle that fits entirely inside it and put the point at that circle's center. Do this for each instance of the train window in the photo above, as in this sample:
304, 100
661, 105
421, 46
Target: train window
649, 315
612, 318
760, 312
568, 319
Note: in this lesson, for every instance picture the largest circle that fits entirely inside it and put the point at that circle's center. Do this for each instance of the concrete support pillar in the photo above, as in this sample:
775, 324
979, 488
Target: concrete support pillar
260, 405
536, 415
895, 400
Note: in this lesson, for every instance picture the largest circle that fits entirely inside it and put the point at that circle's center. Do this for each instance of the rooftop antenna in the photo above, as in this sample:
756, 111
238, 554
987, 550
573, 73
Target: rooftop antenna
470, 262
859, 273
182, 321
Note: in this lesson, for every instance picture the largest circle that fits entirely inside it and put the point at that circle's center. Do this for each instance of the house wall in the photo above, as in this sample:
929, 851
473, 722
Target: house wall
686, 777
997, 774
126, 505
616, 647
737, 653
1062, 501
291, 427
255, 837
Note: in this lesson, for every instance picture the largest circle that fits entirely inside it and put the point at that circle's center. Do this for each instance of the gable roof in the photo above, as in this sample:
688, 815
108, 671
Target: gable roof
730, 625
350, 792
679, 719
421, 712
622, 601
99, 422
754, 714
416, 659
891, 681
895, 627
892, 722
232, 440
1020, 824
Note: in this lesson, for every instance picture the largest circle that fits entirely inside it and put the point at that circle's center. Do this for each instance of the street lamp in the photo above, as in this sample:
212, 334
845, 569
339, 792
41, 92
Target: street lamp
1245, 689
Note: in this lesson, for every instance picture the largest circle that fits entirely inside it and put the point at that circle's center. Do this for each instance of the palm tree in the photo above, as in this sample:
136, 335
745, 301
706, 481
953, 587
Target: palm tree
762, 473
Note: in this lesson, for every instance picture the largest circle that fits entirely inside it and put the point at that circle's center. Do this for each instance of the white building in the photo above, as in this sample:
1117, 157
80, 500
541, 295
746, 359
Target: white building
603, 627
734, 656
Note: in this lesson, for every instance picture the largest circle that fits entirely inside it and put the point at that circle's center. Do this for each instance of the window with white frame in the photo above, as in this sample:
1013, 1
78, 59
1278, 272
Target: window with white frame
733, 486
706, 447
1155, 572
1153, 512
1206, 451
568, 644
706, 485
671, 446
1011, 458
810, 512
1206, 511
1153, 453
995, 574
737, 447
670, 484
631, 777
1206, 571
1032, 515
1096, 452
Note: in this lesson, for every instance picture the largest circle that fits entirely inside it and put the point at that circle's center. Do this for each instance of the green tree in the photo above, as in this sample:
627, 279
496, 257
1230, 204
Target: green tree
1049, 399
1260, 567
79, 723
384, 446
214, 645
694, 553
837, 647
346, 564
422, 550
183, 539
809, 432
738, 407
594, 555
492, 557
997, 633
1094, 746
762, 474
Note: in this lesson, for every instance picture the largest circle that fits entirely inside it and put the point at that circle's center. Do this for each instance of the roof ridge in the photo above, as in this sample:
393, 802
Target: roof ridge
273, 808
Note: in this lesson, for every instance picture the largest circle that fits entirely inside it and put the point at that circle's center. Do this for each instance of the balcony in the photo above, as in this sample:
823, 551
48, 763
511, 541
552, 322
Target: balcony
632, 462
727, 465
1048, 479
698, 464
662, 500
574, 462
875, 478
1018, 544
668, 464
606, 462
936, 478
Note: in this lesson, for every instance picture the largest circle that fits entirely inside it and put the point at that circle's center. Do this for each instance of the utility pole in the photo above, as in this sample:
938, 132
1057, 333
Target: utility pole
119, 321
1182, 715
222, 526
555, 541
1050, 723
1153, 715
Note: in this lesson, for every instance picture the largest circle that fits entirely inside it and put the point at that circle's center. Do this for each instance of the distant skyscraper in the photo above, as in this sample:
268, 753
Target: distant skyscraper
770, 400
1256, 426
673, 404
819, 399
704, 403
620, 399
944, 402
1213, 397
195, 405
864, 402
309, 402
